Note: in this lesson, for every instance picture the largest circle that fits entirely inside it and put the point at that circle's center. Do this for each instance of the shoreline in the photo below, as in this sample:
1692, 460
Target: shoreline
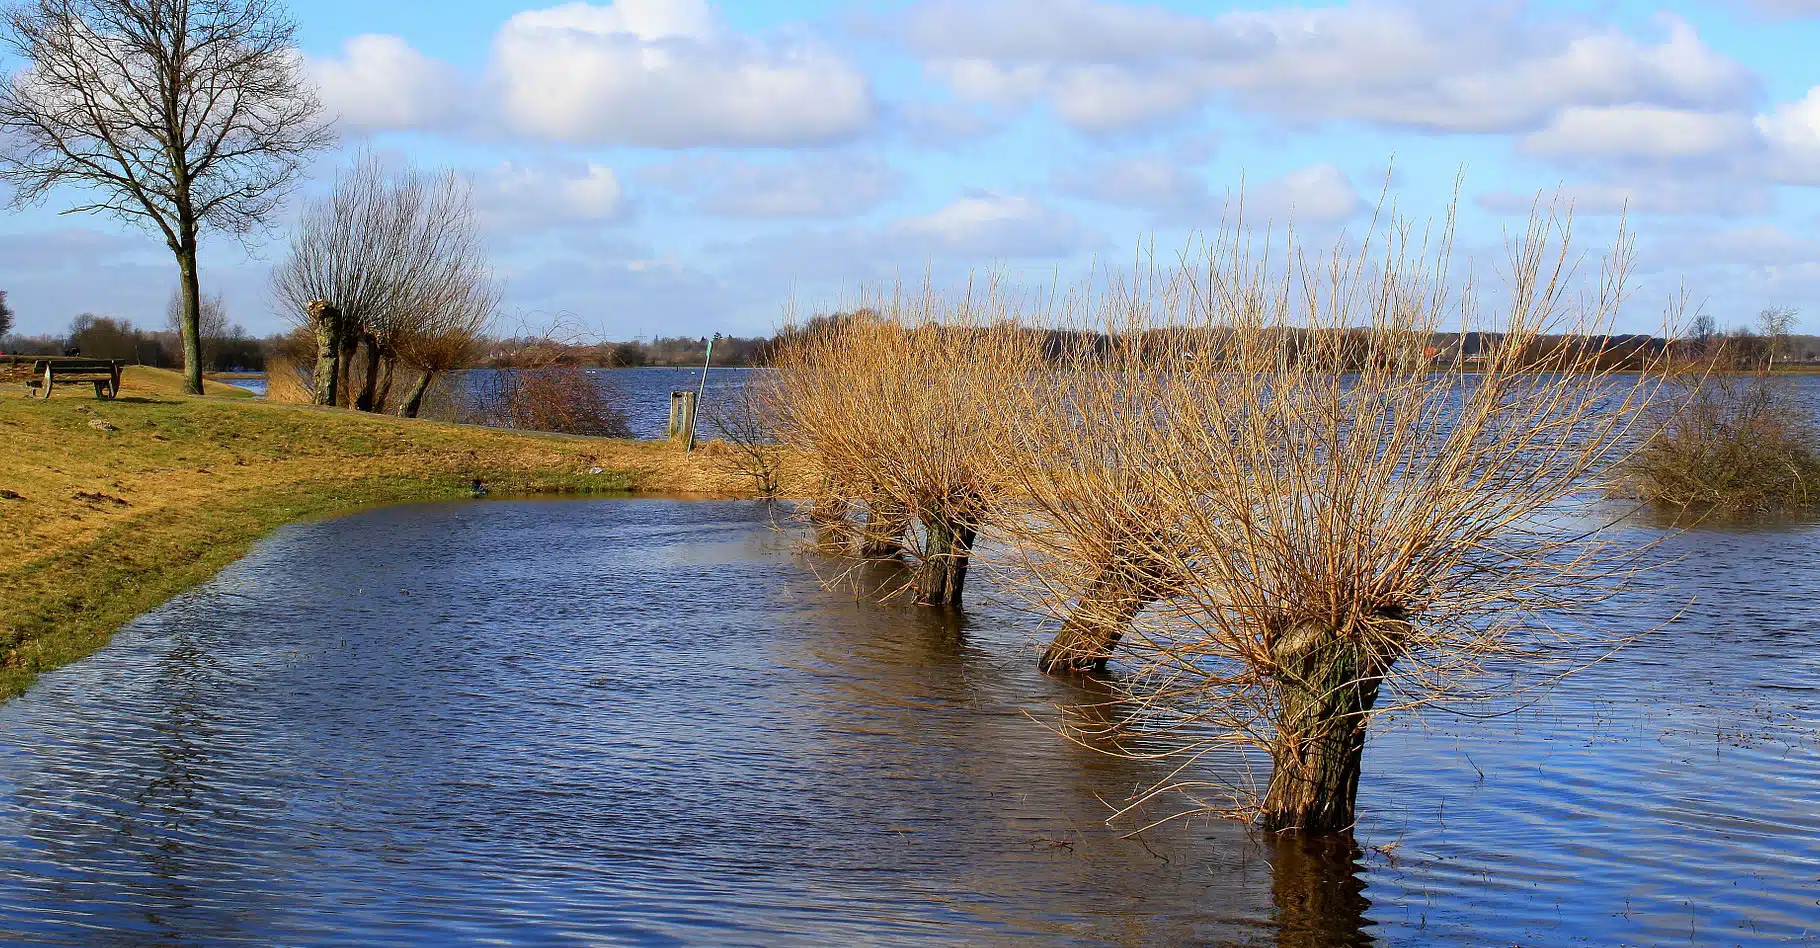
113, 508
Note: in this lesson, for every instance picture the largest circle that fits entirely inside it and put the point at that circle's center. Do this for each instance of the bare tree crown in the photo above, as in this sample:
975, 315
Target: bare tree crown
179, 115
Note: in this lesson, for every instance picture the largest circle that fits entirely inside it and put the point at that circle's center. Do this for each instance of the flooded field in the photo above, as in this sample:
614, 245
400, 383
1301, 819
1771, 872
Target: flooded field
645, 722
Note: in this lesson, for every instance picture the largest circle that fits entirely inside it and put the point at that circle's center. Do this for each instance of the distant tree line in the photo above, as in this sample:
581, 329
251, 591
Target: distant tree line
224, 347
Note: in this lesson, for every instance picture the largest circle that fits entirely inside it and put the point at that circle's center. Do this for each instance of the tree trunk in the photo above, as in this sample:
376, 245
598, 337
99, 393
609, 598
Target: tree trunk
189, 321
387, 367
1325, 689
942, 575
327, 322
1086, 640
370, 384
350, 345
883, 536
414, 401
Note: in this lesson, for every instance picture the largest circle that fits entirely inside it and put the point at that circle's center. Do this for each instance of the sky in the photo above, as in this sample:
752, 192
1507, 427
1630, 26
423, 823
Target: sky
681, 167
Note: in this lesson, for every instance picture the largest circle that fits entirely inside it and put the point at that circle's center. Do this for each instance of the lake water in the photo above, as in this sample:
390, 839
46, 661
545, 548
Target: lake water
646, 722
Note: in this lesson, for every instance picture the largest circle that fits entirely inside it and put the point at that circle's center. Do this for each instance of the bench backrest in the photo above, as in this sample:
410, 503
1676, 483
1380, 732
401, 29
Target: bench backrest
59, 366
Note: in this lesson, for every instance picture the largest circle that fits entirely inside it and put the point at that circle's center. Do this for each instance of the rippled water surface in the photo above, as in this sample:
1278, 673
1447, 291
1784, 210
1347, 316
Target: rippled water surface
645, 722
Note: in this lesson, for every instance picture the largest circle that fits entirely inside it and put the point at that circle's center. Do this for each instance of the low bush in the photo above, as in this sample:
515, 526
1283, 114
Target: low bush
1733, 444
558, 398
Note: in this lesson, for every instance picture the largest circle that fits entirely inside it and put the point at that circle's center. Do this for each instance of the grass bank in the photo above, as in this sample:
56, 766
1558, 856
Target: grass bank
110, 508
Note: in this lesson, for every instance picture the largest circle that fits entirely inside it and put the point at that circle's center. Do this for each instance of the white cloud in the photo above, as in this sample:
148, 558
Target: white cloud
978, 229
1642, 132
517, 197
1103, 66
380, 82
990, 225
814, 185
1653, 194
1319, 194
1157, 182
665, 74
1792, 131
1792, 9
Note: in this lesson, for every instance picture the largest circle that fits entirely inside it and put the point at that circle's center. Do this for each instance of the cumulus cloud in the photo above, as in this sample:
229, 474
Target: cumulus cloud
974, 229
656, 73
1157, 182
1658, 194
1792, 133
514, 197
1642, 131
1791, 9
380, 82
813, 185
1105, 66
665, 73
1318, 194
991, 225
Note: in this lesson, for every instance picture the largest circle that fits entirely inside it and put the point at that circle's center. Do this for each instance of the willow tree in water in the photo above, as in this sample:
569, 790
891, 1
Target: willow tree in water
1328, 523
180, 116
903, 411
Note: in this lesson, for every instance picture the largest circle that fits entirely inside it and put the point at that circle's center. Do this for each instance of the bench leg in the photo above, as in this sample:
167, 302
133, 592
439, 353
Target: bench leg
100, 389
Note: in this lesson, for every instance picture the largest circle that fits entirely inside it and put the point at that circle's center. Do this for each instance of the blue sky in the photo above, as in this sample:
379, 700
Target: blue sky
660, 167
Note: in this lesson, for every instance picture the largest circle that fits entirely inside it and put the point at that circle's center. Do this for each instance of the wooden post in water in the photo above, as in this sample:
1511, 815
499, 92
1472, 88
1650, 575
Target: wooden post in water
682, 415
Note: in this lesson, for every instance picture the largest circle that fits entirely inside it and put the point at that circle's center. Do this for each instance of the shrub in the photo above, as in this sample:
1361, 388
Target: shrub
558, 398
1730, 443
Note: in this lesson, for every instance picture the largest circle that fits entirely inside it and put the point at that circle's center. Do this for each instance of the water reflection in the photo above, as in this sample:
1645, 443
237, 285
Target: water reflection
647, 722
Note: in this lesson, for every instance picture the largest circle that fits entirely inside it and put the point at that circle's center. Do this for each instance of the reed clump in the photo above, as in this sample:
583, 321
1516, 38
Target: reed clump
1730, 444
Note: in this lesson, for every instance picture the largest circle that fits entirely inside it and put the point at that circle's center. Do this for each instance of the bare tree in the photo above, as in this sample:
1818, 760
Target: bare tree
448, 336
6, 315
1776, 322
1321, 528
398, 255
175, 115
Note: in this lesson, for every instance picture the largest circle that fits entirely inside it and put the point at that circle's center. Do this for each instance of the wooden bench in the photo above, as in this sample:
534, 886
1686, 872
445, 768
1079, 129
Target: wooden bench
104, 373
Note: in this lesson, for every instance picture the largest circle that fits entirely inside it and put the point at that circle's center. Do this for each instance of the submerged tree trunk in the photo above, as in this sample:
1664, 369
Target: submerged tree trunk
1319, 897
941, 577
413, 401
834, 532
327, 322
370, 384
1325, 688
882, 538
1086, 640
